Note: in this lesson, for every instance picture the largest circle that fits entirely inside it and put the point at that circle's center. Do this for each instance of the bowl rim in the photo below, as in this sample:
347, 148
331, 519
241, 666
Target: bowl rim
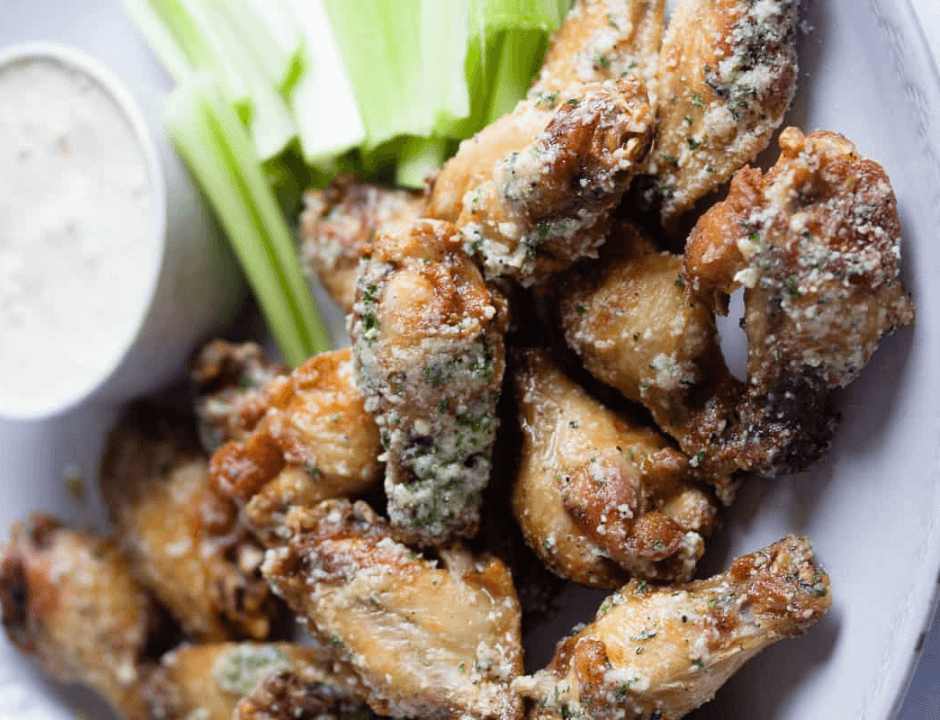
128, 107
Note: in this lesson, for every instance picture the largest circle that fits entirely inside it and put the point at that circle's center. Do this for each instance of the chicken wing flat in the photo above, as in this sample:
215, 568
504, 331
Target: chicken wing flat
635, 326
69, 600
429, 639
315, 441
214, 681
179, 534
727, 74
602, 40
600, 498
428, 348
231, 382
339, 222
816, 244
662, 652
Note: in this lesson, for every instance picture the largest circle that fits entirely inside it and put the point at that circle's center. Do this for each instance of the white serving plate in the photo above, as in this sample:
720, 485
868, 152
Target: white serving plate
872, 507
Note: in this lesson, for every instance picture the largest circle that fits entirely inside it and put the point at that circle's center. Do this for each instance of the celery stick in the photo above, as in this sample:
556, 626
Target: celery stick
519, 58
159, 37
444, 35
219, 153
322, 101
417, 158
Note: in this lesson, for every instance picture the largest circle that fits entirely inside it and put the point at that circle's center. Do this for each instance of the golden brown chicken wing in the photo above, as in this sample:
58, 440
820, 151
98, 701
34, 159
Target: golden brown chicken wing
428, 638
816, 244
231, 382
179, 534
428, 344
662, 652
69, 600
315, 441
219, 681
600, 498
339, 222
727, 74
635, 326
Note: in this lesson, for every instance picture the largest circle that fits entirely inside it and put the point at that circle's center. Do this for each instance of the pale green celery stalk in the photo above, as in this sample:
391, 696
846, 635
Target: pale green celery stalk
197, 35
417, 158
543, 15
519, 58
322, 100
159, 37
219, 153
269, 122
444, 35
269, 31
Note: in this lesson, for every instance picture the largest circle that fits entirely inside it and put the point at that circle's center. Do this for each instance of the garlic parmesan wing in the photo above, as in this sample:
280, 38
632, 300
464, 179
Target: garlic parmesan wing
428, 348
727, 75
230, 382
216, 681
338, 223
69, 600
178, 532
602, 40
600, 498
662, 652
816, 243
315, 441
297, 694
429, 639
633, 323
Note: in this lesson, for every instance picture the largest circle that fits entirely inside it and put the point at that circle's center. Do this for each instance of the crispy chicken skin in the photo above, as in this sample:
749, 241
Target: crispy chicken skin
339, 222
216, 680
428, 350
230, 382
635, 326
429, 639
727, 74
315, 441
816, 243
601, 40
69, 600
179, 534
297, 694
600, 498
662, 652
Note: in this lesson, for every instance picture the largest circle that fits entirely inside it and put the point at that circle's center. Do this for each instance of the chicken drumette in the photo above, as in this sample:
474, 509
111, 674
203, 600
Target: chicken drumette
662, 652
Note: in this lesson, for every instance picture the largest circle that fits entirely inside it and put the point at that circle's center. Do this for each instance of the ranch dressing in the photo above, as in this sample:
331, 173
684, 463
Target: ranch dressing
79, 249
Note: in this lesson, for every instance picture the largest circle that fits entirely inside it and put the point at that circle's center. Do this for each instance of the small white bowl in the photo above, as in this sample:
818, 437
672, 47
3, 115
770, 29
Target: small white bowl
194, 286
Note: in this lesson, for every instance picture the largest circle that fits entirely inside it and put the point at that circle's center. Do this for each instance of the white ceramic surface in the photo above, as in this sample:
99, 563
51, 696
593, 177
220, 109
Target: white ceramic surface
193, 285
872, 507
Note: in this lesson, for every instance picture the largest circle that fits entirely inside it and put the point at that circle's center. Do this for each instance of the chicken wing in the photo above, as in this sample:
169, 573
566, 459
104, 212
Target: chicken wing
315, 441
213, 681
601, 498
662, 652
633, 323
816, 243
428, 348
727, 74
298, 695
179, 534
339, 222
69, 600
430, 639
231, 382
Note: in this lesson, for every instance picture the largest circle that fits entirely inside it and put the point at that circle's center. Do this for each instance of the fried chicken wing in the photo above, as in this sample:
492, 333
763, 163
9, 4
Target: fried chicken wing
339, 222
231, 382
633, 323
299, 695
315, 441
600, 498
223, 681
816, 244
430, 639
662, 652
428, 349
69, 600
727, 74
602, 40
179, 534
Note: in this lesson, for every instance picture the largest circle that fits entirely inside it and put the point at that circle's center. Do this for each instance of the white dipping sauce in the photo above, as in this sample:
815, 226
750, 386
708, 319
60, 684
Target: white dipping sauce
79, 250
